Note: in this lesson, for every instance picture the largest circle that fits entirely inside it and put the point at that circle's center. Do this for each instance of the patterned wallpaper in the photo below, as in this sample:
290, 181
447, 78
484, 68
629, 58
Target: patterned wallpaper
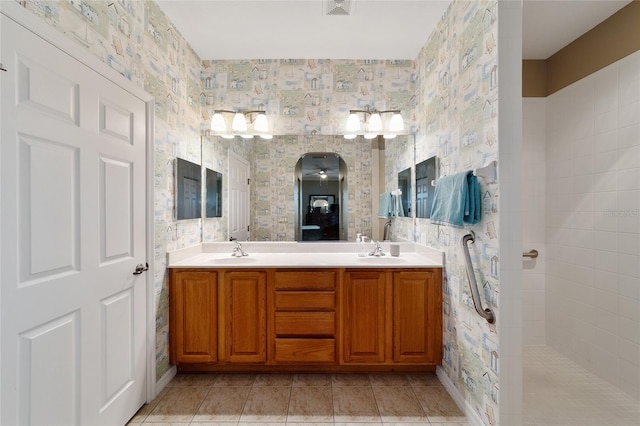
457, 101
308, 96
449, 100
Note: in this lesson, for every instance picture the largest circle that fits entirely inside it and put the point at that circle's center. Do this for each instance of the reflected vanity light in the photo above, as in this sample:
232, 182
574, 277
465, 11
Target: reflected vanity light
372, 124
240, 124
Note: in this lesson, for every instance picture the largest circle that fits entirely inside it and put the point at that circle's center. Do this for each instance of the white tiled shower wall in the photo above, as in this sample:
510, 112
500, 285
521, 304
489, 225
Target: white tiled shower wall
533, 219
593, 222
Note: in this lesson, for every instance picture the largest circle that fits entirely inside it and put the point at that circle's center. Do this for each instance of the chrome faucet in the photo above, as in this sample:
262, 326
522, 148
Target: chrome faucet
238, 251
377, 249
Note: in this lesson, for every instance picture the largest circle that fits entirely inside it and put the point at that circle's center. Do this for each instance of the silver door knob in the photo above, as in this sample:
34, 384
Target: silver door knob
141, 268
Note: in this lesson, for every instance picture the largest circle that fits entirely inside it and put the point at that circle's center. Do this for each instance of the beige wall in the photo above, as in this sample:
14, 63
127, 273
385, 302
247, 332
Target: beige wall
611, 40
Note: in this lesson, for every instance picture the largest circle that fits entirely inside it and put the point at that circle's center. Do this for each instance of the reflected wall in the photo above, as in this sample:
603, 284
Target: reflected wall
273, 207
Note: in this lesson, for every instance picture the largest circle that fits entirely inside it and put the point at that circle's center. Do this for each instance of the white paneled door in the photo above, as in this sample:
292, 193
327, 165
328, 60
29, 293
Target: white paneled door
73, 228
239, 175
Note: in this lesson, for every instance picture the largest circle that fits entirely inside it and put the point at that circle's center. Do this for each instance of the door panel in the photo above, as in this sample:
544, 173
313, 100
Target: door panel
49, 222
44, 89
246, 316
364, 317
116, 122
117, 343
49, 372
116, 190
193, 316
73, 225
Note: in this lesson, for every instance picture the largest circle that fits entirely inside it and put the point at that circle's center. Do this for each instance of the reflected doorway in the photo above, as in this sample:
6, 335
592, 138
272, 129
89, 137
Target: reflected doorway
321, 197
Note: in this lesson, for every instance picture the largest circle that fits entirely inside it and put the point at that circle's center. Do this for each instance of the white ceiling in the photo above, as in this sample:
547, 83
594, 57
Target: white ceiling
376, 29
549, 25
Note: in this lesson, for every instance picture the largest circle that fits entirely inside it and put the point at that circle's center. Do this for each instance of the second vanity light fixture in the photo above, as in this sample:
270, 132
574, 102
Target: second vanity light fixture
372, 124
245, 124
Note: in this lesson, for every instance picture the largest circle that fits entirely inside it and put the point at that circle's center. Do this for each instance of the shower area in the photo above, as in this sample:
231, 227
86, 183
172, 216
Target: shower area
581, 212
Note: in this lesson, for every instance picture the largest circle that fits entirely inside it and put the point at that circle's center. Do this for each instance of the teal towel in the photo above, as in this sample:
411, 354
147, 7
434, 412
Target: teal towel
397, 209
384, 210
472, 212
456, 200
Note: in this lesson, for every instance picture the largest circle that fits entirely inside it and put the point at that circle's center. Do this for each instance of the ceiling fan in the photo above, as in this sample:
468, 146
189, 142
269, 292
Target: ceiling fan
321, 173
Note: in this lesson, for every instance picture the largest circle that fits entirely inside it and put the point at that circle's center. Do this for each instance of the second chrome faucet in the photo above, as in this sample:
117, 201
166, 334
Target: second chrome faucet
377, 249
238, 251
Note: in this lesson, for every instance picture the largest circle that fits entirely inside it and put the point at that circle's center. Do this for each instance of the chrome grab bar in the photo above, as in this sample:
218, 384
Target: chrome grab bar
531, 254
485, 313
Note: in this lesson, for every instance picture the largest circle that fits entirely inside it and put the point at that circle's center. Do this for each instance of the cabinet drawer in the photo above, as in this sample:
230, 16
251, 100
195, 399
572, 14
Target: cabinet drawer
305, 323
305, 300
305, 350
305, 280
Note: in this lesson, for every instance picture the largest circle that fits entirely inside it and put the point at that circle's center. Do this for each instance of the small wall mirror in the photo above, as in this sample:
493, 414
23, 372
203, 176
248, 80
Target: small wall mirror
213, 205
425, 175
188, 177
404, 185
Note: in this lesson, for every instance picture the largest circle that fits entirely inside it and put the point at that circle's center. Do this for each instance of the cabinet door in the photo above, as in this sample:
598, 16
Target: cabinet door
364, 317
417, 317
194, 313
245, 316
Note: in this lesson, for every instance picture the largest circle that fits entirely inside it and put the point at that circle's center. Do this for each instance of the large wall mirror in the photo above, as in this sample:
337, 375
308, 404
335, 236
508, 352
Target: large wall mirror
279, 200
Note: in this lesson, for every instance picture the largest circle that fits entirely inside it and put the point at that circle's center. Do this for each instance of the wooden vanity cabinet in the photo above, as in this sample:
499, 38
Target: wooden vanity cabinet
382, 319
193, 301
392, 316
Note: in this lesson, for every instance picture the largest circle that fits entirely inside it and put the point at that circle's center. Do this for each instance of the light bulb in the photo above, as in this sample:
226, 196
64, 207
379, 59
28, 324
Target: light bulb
397, 123
246, 136
239, 123
370, 135
375, 123
266, 136
391, 136
217, 123
353, 123
227, 136
350, 136
261, 124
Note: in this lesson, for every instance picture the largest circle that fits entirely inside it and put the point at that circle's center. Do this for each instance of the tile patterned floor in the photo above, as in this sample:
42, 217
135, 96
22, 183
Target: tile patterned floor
557, 391
303, 399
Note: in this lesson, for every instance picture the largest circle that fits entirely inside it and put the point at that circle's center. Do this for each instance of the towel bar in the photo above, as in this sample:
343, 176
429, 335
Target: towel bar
485, 313
489, 173
531, 254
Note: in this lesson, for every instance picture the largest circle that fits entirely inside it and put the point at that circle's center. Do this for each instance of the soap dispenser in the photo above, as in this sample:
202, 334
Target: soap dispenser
362, 248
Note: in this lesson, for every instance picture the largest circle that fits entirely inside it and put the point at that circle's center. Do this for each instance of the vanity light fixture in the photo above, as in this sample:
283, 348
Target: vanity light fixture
245, 124
372, 124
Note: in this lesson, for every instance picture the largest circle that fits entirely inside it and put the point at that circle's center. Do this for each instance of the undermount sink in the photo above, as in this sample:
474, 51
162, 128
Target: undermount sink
234, 260
381, 260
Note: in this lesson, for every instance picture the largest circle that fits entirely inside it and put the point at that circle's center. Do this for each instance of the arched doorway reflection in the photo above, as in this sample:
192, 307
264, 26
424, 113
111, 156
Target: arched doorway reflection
321, 197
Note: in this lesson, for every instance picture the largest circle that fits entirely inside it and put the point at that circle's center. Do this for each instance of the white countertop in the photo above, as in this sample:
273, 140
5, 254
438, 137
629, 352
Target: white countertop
302, 255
